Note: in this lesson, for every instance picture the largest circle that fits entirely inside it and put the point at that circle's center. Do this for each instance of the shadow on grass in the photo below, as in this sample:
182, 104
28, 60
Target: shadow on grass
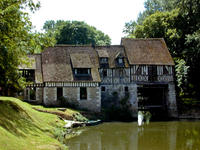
15, 119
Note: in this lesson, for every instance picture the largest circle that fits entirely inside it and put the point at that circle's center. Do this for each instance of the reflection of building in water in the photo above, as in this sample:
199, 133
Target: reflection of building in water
107, 137
128, 136
158, 137
87, 141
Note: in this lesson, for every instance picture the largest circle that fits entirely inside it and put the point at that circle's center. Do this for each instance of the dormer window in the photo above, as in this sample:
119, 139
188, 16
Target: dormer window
120, 62
82, 73
104, 62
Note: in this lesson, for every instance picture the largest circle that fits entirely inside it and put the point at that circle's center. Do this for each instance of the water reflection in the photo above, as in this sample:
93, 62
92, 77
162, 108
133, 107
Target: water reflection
128, 136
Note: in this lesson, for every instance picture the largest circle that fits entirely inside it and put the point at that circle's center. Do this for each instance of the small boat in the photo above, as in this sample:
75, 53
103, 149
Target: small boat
93, 122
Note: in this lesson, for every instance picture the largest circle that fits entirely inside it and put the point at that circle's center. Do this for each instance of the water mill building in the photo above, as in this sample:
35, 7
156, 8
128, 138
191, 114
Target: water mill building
91, 77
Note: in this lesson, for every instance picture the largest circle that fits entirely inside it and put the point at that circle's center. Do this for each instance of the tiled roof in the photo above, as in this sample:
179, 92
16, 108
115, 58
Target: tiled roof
56, 64
113, 51
147, 51
80, 60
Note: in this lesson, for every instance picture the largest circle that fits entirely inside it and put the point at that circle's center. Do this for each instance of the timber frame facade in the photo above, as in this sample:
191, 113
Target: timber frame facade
87, 76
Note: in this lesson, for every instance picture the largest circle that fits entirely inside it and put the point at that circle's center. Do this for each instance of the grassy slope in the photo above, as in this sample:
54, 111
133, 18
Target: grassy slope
22, 127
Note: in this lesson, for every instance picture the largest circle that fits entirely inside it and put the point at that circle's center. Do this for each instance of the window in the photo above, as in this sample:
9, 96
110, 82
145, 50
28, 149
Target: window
120, 62
104, 62
104, 73
165, 71
82, 73
103, 88
126, 88
59, 92
83, 93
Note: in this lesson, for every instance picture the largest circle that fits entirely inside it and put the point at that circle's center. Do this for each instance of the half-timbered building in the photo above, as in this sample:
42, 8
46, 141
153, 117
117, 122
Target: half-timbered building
89, 76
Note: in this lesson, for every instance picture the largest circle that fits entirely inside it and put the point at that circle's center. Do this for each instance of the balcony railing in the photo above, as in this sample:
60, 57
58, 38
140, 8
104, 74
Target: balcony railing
158, 78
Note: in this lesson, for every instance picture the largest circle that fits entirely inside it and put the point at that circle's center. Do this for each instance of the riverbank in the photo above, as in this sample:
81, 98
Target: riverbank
23, 126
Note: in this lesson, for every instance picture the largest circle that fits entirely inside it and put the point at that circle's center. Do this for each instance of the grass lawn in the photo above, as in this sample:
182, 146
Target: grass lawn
23, 128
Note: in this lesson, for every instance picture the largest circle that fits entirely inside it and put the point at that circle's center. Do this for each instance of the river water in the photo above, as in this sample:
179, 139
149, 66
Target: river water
174, 135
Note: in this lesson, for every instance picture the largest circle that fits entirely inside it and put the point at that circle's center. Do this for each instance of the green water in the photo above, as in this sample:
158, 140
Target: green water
176, 135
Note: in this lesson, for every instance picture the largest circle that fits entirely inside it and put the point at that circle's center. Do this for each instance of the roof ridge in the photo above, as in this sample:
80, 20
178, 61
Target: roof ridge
145, 39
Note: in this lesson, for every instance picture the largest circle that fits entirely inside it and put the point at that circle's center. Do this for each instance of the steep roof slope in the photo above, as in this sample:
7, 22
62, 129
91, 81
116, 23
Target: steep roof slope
58, 62
112, 52
56, 65
147, 51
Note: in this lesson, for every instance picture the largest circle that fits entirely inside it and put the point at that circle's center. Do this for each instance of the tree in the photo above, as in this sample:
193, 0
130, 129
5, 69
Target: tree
75, 32
151, 7
38, 41
14, 39
180, 27
162, 25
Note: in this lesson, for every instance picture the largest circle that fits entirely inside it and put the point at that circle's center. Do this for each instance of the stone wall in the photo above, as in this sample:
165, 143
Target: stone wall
72, 97
133, 99
50, 96
171, 101
39, 95
114, 93
93, 102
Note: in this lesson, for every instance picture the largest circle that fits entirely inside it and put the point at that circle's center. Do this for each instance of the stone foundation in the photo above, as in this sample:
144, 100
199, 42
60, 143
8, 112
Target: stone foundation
72, 96
114, 93
50, 96
171, 102
39, 95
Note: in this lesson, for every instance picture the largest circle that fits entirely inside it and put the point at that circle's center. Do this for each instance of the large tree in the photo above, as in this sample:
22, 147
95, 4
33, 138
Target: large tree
75, 32
15, 27
151, 7
180, 27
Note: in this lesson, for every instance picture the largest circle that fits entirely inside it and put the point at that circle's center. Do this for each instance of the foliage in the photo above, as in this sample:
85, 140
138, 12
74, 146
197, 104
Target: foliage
75, 32
151, 7
178, 22
161, 25
14, 40
129, 28
38, 41
181, 73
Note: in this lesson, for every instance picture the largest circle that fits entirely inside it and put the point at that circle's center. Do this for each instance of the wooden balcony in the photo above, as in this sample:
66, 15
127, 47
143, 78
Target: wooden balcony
158, 78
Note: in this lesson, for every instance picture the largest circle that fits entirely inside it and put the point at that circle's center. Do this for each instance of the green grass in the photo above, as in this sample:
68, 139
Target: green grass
22, 127
68, 114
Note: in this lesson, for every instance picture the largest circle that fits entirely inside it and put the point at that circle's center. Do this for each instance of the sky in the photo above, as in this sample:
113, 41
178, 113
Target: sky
109, 16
